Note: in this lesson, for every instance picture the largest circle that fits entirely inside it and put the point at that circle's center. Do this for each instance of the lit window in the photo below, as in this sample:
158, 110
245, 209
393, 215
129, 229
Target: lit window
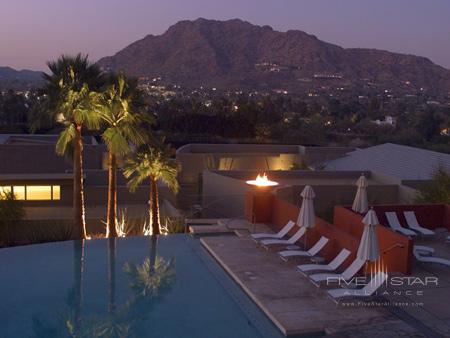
19, 192
39, 193
33, 192
4, 190
56, 192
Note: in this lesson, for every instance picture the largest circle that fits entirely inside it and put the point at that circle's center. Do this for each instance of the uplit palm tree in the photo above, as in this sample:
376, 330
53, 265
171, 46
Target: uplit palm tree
155, 163
71, 97
120, 116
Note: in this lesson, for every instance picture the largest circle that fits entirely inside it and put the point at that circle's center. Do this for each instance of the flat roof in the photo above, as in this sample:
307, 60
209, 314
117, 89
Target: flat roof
38, 139
257, 149
205, 148
304, 177
43, 177
294, 174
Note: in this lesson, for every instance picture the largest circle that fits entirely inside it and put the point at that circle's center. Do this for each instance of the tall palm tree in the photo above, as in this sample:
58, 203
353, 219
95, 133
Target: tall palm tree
155, 163
120, 116
71, 97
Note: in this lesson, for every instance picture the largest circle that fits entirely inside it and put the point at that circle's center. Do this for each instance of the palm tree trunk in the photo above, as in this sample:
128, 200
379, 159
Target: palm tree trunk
78, 193
154, 207
112, 197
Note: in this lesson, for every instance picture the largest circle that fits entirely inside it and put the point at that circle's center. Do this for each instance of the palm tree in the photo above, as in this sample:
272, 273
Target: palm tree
119, 114
70, 97
155, 163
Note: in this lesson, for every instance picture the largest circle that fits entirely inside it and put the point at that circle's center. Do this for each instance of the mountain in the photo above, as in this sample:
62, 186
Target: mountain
19, 79
237, 54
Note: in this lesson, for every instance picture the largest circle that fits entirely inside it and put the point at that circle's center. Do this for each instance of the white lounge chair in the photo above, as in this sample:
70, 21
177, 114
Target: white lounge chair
280, 234
411, 219
333, 265
422, 248
266, 243
396, 226
314, 250
367, 291
431, 259
348, 274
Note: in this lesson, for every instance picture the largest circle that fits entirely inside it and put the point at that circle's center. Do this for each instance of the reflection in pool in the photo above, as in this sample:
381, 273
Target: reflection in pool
132, 287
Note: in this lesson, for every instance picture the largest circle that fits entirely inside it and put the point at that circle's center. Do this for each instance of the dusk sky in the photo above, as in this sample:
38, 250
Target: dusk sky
34, 31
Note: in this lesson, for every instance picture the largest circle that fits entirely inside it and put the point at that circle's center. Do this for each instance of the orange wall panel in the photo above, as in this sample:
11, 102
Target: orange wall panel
396, 249
283, 211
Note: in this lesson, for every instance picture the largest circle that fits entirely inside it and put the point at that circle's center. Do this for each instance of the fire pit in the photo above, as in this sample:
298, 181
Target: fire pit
262, 181
258, 204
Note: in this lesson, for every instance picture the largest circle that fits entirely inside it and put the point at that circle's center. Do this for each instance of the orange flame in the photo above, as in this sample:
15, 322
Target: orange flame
262, 181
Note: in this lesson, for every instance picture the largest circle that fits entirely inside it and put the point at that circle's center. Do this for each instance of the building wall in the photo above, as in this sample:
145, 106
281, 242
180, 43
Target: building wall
98, 195
193, 164
317, 155
222, 196
327, 196
195, 158
27, 158
406, 193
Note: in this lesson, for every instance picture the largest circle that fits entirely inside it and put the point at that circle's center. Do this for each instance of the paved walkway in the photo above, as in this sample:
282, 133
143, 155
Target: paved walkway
294, 304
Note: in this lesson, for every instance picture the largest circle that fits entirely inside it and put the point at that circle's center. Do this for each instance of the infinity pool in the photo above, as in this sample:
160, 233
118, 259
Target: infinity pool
131, 287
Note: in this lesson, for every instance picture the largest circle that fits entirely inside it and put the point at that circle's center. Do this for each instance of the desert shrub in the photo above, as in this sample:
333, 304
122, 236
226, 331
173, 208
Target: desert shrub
438, 189
11, 212
43, 231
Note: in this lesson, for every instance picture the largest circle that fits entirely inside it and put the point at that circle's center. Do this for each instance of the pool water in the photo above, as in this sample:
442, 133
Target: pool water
130, 287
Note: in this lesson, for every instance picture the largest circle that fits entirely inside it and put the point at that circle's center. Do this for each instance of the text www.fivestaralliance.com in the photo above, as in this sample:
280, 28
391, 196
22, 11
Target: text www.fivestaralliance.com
382, 304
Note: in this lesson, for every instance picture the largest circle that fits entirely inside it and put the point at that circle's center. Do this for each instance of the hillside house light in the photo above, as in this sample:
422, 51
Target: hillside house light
262, 181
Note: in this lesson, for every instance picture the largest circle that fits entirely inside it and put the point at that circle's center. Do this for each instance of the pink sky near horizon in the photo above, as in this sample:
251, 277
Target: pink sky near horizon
32, 32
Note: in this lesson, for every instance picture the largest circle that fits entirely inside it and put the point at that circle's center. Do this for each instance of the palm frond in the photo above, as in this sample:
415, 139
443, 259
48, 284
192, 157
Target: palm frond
150, 161
116, 110
65, 138
115, 141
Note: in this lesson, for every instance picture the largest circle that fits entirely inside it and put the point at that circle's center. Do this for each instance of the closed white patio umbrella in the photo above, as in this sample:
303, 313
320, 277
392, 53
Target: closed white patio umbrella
360, 204
306, 217
368, 247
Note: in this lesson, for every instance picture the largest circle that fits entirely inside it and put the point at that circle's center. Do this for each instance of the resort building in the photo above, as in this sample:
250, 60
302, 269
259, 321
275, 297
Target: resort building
393, 162
195, 158
43, 181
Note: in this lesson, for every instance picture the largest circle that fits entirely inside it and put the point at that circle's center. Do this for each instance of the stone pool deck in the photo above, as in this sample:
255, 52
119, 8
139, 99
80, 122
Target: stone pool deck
294, 304
223, 226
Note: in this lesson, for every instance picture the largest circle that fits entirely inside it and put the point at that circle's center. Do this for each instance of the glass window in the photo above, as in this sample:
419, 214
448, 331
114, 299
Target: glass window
5, 189
39, 193
56, 192
19, 192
